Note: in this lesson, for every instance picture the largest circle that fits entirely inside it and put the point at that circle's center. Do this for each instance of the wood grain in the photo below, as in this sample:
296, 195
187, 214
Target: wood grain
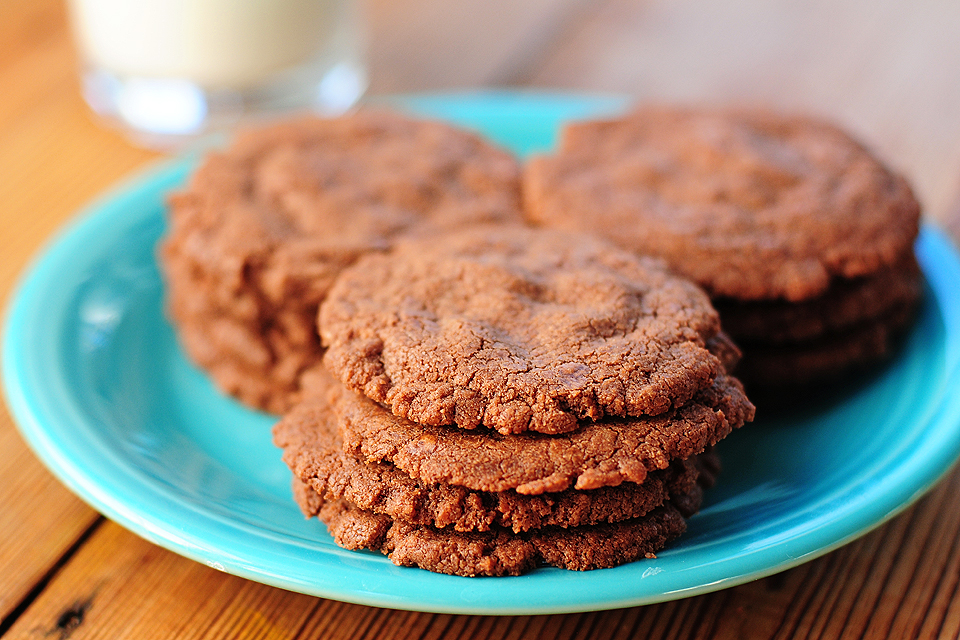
870, 588
33, 535
888, 73
51, 161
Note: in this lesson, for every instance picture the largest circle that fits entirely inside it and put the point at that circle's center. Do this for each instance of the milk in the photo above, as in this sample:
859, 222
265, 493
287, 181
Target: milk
177, 66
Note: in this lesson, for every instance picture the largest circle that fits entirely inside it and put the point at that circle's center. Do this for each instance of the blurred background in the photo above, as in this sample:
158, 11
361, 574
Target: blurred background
888, 70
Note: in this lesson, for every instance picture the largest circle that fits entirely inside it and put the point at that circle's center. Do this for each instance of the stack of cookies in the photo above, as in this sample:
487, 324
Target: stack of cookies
802, 238
476, 397
258, 236
502, 397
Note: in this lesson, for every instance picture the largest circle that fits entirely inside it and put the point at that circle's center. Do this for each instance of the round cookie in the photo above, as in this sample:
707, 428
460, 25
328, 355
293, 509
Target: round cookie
517, 330
846, 304
500, 552
792, 365
598, 454
751, 205
262, 229
313, 451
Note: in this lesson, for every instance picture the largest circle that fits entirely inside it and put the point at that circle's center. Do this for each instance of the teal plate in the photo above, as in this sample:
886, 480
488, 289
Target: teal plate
106, 399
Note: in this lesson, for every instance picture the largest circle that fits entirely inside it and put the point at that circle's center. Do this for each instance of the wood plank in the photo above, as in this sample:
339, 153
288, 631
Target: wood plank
53, 158
53, 155
39, 519
26, 24
881, 68
429, 45
120, 586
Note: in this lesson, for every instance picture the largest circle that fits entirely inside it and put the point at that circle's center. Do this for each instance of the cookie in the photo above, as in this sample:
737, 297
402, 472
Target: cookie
500, 552
723, 347
517, 330
263, 228
752, 205
827, 358
314, 452
846, 304
597, 454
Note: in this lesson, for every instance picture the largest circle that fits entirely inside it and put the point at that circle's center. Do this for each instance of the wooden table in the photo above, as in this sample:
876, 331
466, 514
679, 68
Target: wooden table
889, 71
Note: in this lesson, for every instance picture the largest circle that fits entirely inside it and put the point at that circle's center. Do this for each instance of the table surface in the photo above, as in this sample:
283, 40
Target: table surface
888, 71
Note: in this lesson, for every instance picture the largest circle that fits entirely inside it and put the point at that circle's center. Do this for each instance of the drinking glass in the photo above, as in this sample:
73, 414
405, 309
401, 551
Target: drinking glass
167, 72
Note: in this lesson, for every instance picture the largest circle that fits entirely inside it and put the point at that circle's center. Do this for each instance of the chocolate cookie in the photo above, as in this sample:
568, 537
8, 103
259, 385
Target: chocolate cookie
597, 454
846, 304
751, 205
500, 552
789, 365
314, 452
517, 330
263, 228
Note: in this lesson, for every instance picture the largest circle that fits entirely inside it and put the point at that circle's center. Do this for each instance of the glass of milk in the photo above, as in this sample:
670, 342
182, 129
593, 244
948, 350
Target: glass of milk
170, 71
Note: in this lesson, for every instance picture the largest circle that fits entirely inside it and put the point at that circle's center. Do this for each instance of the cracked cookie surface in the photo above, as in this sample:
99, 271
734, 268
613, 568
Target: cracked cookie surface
263, 227
518, 329
751, 205
597, 454
501, 552
314, 452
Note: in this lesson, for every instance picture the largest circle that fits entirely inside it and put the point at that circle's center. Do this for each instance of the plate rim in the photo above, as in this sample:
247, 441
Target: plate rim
936, 252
